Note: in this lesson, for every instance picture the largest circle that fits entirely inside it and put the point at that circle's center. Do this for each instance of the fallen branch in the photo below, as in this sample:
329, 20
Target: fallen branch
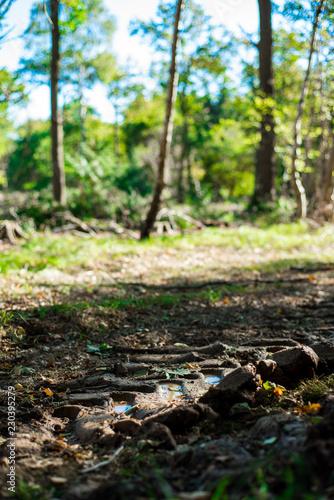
106, 462
11, 229
216, 283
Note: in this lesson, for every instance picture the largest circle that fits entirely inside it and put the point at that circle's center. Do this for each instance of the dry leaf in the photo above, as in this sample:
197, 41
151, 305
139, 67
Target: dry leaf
278, 391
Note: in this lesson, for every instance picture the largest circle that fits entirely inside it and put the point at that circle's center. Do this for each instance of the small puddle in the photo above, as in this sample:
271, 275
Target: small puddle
171, 391
121, 407
212, 378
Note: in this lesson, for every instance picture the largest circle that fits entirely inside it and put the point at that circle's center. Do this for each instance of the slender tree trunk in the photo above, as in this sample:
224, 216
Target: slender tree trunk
328, 181
116, 135
83, 113
59, 186
180, 186
167, 132
297, 184
265, 161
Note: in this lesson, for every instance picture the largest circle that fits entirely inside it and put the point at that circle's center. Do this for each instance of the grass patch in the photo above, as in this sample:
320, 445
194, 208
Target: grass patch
313, 389
288, 243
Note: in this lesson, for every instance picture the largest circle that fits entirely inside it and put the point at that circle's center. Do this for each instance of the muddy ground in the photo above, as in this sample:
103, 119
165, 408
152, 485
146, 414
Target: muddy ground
118, 374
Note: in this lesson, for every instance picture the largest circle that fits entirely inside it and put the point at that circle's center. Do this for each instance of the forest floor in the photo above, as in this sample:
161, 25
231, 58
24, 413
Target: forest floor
136, 367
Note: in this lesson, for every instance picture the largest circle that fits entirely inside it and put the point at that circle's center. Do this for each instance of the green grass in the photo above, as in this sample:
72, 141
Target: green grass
313, 389
293, 242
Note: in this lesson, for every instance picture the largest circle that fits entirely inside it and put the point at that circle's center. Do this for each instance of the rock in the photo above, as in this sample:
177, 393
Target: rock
178, 419
327, 403
126, 426
266, 368
272, 426
320, 448
261, 395
206, 411
158, 432
93, 427
325, 351
294, 363
239, 386
69, 411
240, 409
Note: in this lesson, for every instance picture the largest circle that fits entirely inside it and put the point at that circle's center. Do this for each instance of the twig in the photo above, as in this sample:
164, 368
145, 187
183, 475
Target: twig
106, 462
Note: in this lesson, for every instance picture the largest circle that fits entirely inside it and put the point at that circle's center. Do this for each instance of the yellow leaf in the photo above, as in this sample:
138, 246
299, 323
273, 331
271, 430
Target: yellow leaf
311, 408
279, 311
190, 366
278, 391
311, 278
18, 387
226, 300
48, 392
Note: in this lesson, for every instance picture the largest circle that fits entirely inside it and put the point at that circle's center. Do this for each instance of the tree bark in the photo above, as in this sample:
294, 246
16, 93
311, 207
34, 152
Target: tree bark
328, 184
166, 137
297, 184
265, 160
59, 186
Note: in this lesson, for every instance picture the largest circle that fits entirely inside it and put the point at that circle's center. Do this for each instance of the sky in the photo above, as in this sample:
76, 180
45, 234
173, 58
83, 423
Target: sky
235, 14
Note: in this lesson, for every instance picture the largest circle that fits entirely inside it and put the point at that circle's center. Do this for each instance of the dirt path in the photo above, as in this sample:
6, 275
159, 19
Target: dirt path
138, 392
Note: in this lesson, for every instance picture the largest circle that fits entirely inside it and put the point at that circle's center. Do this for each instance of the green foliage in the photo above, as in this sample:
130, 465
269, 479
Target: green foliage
31, 154
85, 26
228, 160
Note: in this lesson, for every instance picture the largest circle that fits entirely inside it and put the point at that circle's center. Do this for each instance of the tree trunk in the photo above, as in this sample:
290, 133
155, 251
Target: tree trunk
295, 175
265, 160
180, 187
117, 150
328, 181
59, 187
167, 132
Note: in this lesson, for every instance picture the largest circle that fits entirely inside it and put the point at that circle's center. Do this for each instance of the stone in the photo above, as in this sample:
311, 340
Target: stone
325, 351
157, 432
178, 419
92, 427
294, 363
327, 403
239, 386
265, 368
270, 426
126, 426
240, 409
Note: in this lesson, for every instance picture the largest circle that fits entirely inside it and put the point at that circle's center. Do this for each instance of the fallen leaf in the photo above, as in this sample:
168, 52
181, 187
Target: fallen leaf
191, 367
278, 391
269, 386
48, 392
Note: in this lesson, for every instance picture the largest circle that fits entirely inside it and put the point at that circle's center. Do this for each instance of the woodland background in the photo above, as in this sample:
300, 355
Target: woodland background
227, 111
